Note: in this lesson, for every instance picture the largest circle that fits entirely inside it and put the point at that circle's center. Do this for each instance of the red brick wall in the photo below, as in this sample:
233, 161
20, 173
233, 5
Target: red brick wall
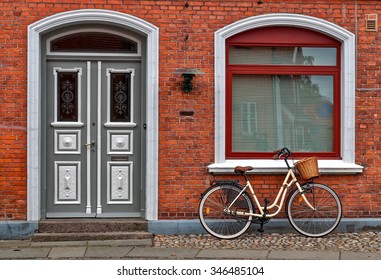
13, 113
186, 144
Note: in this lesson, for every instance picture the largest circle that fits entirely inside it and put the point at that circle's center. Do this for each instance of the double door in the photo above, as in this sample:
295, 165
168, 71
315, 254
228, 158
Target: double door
93, 138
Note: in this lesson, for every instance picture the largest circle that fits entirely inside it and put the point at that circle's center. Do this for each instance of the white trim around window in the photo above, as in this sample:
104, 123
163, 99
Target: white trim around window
347, 163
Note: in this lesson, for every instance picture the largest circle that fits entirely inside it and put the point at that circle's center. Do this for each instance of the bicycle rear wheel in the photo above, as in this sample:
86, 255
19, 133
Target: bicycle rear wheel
214, 216
316, 222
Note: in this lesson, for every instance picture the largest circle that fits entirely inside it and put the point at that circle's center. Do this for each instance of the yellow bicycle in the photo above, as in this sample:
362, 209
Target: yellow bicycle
226, 209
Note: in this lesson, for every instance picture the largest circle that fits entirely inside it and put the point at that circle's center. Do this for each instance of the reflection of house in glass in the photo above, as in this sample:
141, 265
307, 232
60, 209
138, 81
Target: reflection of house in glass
306, 114
274, 110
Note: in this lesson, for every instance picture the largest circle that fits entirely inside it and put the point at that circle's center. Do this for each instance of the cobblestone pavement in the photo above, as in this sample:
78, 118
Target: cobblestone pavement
355, 242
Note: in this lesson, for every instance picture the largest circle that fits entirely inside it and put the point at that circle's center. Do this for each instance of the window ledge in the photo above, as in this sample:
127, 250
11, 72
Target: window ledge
279, 167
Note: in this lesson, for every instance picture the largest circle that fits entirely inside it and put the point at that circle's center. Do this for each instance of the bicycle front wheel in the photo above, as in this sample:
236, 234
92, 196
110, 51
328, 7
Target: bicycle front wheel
321, 220
215, 216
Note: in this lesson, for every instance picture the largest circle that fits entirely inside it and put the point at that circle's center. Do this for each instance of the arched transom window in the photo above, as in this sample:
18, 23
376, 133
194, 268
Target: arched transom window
92, 41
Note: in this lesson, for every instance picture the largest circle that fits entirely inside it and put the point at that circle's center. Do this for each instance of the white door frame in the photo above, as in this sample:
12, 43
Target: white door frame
34, 154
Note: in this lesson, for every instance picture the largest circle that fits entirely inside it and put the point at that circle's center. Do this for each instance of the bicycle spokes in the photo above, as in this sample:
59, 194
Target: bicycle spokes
220, 217
319, 220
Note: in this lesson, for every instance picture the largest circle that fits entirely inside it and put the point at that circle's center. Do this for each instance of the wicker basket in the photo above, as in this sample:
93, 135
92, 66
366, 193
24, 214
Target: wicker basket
308, 168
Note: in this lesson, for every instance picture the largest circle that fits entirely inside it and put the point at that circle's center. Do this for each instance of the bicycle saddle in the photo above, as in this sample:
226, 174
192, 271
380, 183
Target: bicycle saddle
242, 169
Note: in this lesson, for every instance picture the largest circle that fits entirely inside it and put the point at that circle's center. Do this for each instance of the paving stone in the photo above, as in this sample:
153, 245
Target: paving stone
117, 243
58, 243
303, 255
67, 252
360, 256
15, 243
354, 242
106, 252
24, 253
171, 253
351, 246
233, 254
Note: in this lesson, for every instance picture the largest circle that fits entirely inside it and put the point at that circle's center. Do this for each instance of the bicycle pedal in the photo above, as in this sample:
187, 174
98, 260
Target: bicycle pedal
261, 228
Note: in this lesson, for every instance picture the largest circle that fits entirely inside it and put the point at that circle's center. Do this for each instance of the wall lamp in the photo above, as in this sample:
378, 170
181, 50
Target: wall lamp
188, 75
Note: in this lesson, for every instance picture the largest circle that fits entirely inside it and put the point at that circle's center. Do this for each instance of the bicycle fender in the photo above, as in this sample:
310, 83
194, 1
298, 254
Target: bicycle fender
216, 183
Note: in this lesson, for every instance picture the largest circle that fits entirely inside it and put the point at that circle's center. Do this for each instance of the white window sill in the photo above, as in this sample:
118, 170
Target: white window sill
279, 166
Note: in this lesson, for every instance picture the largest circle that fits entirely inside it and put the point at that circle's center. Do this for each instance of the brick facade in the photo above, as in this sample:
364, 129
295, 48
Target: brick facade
186, 143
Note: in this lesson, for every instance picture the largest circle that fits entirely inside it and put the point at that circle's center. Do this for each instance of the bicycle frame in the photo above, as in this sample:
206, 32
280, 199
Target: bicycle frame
289, 180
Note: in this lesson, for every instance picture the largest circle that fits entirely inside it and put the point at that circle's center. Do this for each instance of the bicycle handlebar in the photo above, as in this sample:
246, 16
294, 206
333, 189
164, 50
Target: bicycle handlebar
281, 152
276, 154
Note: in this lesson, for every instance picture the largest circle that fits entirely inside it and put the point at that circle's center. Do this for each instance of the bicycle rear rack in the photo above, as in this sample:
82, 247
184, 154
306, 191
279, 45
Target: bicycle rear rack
224, 182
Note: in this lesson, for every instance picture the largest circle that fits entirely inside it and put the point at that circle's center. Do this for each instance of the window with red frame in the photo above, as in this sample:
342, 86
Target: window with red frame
283, 89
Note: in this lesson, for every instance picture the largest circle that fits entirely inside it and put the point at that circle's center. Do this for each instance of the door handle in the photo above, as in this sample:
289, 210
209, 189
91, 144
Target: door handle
90, 144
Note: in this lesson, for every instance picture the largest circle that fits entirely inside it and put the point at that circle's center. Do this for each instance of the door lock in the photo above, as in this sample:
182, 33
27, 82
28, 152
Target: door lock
92, 144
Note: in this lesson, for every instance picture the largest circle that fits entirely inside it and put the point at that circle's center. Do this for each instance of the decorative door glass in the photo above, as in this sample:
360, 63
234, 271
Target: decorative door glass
67, 88
120, 97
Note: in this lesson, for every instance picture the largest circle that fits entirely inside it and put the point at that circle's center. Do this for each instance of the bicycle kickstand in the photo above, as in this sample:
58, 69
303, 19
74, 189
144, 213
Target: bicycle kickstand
264, 215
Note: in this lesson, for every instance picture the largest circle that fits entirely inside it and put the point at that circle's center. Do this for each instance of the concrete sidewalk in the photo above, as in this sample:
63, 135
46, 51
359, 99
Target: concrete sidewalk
142, 249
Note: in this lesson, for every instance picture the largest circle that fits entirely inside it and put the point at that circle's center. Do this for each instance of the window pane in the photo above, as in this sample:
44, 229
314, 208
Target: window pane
272, 111
282, 55
120, 97
93, 42
67, 85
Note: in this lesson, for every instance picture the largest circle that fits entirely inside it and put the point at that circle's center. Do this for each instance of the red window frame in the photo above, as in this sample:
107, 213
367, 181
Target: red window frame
283, 36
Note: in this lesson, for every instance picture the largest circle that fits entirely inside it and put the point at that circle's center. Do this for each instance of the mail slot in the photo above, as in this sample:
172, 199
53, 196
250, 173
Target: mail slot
119, 158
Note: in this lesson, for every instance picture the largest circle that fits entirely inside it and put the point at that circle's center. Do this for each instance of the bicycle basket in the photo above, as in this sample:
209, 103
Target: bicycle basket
308, 168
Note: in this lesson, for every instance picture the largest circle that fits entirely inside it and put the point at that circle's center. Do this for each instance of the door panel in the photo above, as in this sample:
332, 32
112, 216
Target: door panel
121, 136
93, 139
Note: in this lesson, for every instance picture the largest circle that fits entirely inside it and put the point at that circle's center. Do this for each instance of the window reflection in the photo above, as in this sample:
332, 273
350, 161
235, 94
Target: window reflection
282, 110
282, 55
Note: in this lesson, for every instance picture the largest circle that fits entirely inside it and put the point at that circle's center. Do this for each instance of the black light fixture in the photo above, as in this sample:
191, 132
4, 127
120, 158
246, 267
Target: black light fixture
188, 74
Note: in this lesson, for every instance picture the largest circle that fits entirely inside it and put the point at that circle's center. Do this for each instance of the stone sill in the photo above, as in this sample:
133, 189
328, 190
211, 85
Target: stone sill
279, 167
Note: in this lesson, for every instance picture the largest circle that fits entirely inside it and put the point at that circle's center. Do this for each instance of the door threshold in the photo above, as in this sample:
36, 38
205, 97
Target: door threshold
69, 215
133, 215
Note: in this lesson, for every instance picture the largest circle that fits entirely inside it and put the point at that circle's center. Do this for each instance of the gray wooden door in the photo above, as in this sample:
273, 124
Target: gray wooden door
93, 138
